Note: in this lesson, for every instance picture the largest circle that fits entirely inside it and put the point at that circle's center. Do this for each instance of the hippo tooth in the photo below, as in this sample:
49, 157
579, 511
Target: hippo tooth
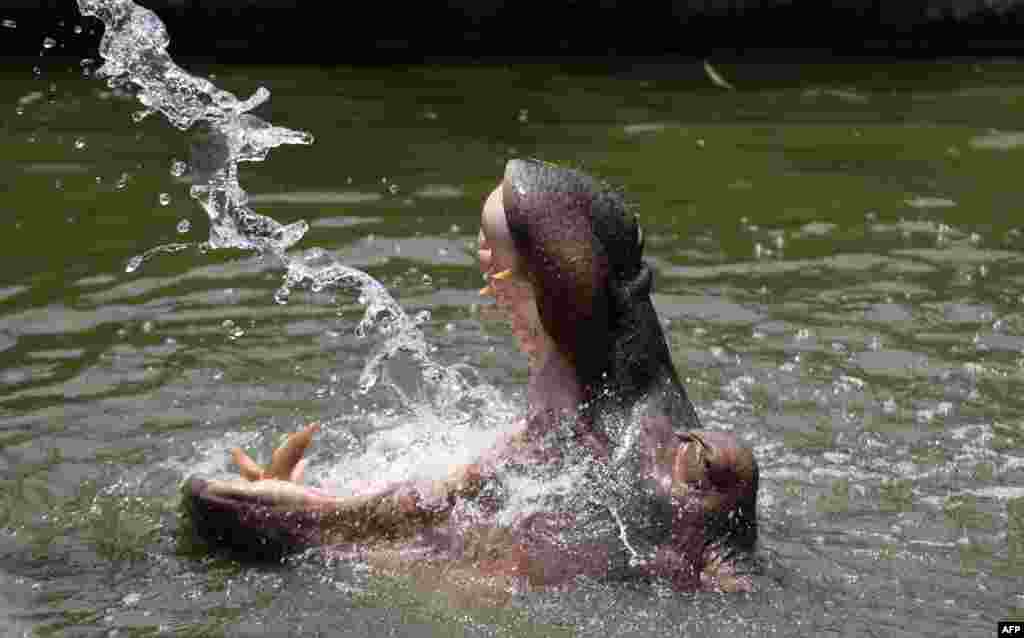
248, 468
285, 458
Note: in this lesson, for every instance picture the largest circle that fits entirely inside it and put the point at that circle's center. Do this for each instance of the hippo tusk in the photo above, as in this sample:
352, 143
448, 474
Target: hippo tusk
286, 463
488, 290
286, 458
248, 468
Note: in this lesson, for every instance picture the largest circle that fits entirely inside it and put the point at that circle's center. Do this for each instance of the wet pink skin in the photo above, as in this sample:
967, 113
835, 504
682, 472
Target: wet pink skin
531, 550
552, 384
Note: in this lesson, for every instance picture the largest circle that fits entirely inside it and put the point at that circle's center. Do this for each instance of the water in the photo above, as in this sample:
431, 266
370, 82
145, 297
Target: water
837, 255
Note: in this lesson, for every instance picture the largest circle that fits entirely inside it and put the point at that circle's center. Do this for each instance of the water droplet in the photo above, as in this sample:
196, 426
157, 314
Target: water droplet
147, 327
133, 264
393, 189
138, 116
49, 43
99, 180
524, 116
282, 294
184, 226
164, 199
59, 185
889, 406
10, 24
178, 168
78, 29
700, 142
37, 71
455, 228
218, 375
122, 181
80, 143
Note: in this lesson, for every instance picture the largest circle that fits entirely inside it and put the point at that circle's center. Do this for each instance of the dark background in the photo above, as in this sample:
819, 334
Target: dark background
329, 32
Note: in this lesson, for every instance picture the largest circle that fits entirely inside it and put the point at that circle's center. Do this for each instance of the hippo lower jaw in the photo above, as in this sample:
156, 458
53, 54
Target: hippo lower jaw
264, 516
260, 520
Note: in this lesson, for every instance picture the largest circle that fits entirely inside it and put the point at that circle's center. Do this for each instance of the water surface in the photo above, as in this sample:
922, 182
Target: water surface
837, 256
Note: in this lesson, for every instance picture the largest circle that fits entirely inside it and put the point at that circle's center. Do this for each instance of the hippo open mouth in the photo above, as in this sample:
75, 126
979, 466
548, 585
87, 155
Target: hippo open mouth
561, 255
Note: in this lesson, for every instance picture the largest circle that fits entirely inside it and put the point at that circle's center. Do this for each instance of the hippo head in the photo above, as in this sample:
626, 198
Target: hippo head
563, 254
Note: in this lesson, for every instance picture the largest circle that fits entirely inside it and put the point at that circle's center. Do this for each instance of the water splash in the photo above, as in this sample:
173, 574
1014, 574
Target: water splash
134, 52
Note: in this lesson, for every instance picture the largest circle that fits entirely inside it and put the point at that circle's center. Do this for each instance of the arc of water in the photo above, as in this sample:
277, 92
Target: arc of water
134, 51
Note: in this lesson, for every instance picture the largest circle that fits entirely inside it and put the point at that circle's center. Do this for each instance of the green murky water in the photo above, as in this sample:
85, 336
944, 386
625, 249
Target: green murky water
838, 252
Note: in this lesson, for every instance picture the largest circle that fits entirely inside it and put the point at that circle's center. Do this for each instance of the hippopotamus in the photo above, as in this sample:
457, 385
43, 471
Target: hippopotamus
643, 492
